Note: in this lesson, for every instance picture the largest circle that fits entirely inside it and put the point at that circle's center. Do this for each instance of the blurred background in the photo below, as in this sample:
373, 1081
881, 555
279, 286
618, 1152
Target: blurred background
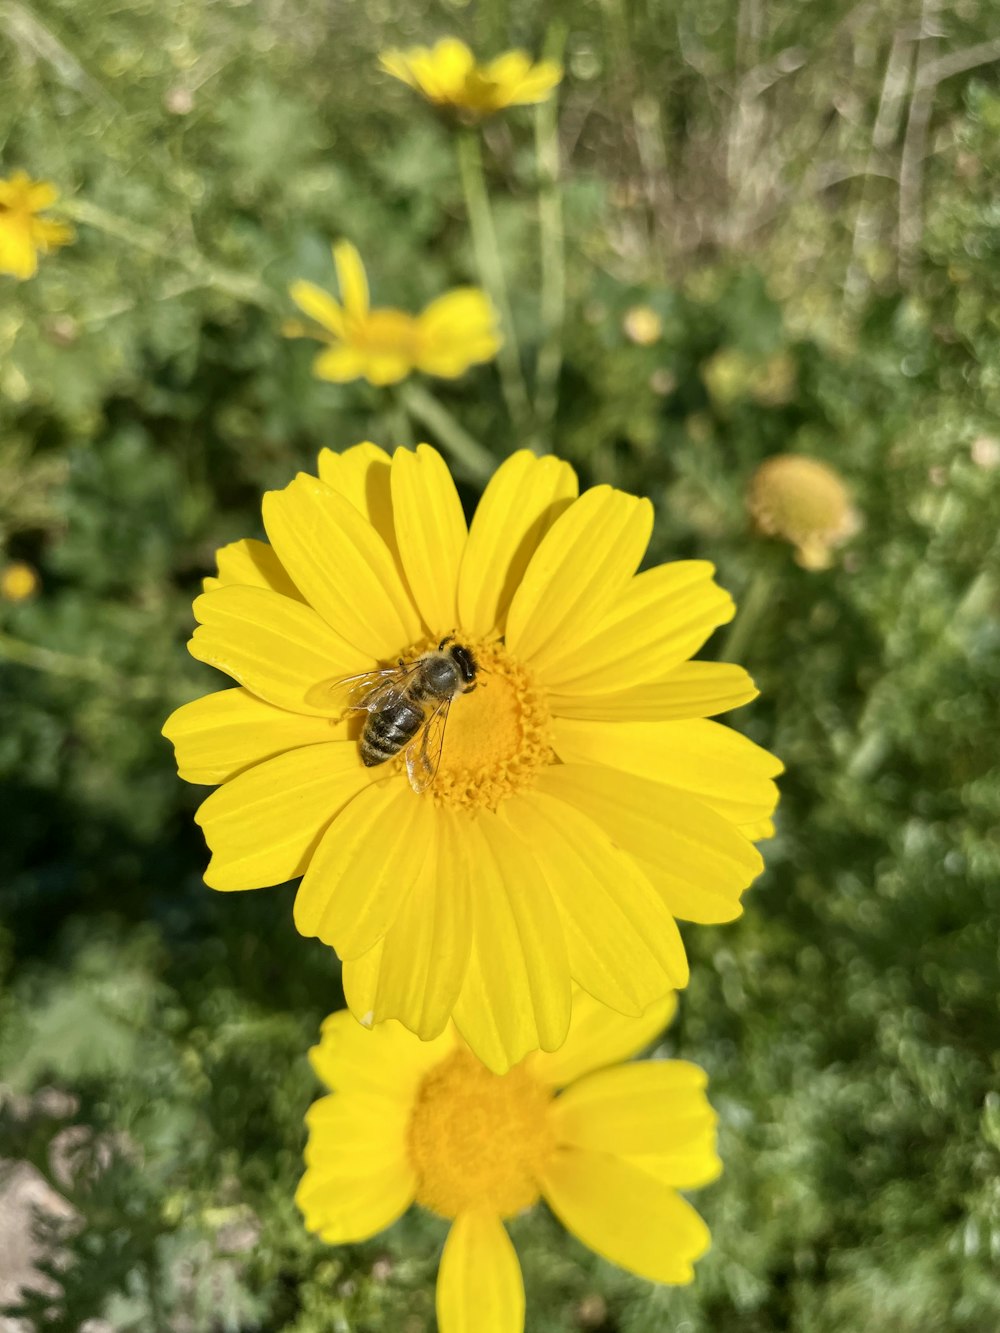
800, 199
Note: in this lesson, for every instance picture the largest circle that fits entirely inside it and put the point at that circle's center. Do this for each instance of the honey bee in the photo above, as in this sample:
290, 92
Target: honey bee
407, 706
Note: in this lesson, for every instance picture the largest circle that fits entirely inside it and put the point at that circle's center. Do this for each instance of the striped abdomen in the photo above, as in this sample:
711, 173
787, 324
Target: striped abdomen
388, 730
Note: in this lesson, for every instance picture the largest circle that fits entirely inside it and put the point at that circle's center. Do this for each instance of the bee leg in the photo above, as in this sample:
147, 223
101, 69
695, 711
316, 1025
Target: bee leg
469, 688
448, 638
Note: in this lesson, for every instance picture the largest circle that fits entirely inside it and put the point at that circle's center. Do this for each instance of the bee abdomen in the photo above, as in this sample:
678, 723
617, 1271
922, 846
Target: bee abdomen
388, 730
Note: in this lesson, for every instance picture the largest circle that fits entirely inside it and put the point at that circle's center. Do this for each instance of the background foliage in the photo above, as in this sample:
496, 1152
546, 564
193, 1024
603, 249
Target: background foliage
806, 194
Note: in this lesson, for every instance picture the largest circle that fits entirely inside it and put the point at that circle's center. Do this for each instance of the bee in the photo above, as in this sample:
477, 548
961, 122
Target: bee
407, 707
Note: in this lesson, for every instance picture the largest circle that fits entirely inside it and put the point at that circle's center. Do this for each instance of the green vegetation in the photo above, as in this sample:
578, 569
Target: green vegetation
806, 195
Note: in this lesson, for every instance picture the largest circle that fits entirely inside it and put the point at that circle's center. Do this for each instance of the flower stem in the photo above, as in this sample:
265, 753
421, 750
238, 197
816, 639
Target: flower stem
553, 249
54, 663
484, 243
751, 605
475, 461
237, 285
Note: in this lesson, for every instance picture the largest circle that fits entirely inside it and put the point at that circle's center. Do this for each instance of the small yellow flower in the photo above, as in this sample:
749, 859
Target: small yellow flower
583, 801
384, 346
607, 1145
447, 75
18, 582
803, 502
23, 234
642, 325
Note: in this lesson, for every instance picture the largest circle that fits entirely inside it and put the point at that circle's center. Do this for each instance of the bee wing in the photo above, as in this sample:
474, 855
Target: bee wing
362, 693
423, 754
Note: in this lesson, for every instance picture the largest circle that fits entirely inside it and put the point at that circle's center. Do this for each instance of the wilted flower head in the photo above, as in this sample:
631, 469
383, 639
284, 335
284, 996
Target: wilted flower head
18, 582
447, 75
23, 234
608, 1145
581, 801
803, 502
385, 345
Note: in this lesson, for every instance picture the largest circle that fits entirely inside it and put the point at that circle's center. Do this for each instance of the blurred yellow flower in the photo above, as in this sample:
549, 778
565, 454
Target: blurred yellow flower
18, 582
607, 1145
642, 325
803, 502
583, 800
23, 234
447, 75
384, 346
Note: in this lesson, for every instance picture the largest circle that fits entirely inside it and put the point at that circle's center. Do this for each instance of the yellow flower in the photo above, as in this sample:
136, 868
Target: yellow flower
23, 234
384, 346
607, 1145
805, 503
583, 799
18, 582
642, 325
447, 75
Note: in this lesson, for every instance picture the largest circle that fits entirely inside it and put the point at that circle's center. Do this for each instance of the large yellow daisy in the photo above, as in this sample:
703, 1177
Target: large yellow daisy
24, 234
584, 800
607, 1146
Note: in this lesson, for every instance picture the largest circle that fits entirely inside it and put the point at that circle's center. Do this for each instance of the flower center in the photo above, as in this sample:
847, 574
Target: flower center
477, 1138
498, 737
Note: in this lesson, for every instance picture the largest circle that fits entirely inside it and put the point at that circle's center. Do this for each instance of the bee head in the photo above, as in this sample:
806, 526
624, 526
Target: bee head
465, 661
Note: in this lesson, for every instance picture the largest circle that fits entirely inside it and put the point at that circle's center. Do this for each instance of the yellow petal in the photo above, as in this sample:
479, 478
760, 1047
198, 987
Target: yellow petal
479, 1286
364, 868
662, 617
522, 500
264, 825
39, 195
278, 648
251, 564
355, 1133
223, 733
352, 280
537, 84
582, 564
724, 769
652, 1108
397, 64
426, 951
625, 1215
362, 474
599, 1037
624, 946
443, 70
697, 861
695, 689
18, 253
430, 532
383, 1061
342, 567
340, 364
362, 1189
318, 305
456, 331
517, 991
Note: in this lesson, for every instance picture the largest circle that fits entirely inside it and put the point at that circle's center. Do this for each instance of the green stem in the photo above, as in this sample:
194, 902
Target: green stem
473, 459
54, 663
751, 606
487, 250
552, 242
398, 420
237, 285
